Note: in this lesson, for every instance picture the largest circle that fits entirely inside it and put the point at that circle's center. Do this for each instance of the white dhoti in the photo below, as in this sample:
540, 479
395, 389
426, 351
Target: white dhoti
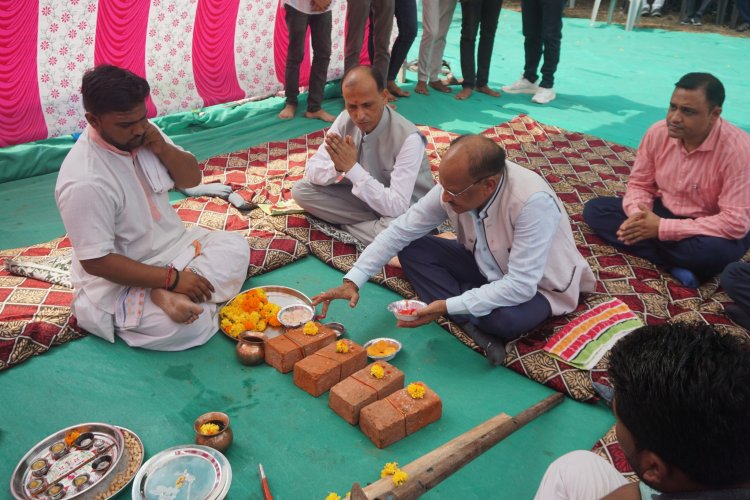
579, 475
223, 260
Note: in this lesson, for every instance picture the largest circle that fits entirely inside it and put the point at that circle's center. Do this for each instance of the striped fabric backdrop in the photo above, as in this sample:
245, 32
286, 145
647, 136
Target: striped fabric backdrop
194, 53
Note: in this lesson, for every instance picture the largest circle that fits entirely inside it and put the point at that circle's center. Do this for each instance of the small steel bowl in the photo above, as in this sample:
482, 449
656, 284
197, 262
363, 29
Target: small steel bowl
400, 305
338, 328
295, 315
84, 441
386, 357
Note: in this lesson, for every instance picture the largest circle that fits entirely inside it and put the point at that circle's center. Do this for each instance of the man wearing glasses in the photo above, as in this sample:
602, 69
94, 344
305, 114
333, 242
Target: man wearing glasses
513, 262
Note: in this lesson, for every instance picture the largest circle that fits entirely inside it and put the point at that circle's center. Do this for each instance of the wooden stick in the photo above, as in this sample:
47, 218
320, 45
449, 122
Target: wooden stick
430, 469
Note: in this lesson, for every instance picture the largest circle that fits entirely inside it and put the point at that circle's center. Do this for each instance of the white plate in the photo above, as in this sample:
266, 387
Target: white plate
182, 473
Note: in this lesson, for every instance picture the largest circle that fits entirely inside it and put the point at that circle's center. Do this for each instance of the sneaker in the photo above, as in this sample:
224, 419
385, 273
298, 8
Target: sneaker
656, 13
743, 27
543, 96
522, 86
688, 20
645, 10
696, 21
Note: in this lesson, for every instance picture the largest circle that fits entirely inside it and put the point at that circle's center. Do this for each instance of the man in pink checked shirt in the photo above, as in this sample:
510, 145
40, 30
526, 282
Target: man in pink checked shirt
687, 204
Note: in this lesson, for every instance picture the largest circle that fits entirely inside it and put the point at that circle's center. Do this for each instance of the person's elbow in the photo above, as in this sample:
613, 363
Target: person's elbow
95, 267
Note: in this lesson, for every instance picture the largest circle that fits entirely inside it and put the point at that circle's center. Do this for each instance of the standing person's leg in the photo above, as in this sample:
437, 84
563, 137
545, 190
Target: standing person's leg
470, 19
430, 27
320, 37
744, 7
490, 15
357, 14
296, 25
531, 16
406, 19
736, 281
552, 12
382, 25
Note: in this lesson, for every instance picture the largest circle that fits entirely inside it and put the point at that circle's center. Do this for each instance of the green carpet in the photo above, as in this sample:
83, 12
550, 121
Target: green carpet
610, 83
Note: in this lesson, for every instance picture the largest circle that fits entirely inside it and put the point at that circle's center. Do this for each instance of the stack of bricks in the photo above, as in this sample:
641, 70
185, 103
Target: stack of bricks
349, 396
398, 415
328, 366
284, 351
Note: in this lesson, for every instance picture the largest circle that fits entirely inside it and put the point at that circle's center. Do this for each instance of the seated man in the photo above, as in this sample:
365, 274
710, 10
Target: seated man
682, 403
687, 204
514, 264
736, 281
372, 166
137, 271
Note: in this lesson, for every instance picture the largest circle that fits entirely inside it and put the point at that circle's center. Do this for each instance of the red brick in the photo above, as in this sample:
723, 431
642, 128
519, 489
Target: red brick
325, 368
349, 396
285, 350
395, 417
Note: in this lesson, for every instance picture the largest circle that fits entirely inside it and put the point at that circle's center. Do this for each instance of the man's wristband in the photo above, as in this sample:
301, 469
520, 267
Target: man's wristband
176, 280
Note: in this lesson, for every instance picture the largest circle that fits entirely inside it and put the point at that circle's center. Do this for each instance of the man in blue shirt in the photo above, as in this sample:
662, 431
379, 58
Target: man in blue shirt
498, 278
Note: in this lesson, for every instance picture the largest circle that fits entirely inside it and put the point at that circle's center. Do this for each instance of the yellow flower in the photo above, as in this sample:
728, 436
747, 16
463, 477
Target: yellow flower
400, 477
180, 481
310, 328
342, 347
209, 428
332, 496
416, 390
389, 469
377, 371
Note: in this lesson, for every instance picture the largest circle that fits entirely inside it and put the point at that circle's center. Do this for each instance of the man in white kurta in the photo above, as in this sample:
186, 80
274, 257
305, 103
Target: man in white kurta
137, 272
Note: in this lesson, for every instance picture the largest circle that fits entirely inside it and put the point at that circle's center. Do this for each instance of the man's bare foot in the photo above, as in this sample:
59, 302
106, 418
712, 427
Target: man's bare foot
486, 90
465, 93
421, 88
391, 105
440, 86
390, 97
394, 262
397, 91
288, 112
177, 306
320, 114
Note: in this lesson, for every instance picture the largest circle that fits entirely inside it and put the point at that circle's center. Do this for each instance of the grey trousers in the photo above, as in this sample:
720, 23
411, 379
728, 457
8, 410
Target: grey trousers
436, 20
357, 14
320, 37
336, 204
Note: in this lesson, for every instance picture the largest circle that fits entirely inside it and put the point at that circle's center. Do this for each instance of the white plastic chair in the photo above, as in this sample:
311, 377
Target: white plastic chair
634, 12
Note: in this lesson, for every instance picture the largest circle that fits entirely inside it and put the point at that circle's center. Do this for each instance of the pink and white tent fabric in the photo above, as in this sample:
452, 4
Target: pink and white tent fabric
194, 53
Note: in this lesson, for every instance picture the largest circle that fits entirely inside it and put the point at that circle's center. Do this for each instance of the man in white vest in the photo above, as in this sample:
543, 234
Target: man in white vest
137, 272
513, 263
372, 166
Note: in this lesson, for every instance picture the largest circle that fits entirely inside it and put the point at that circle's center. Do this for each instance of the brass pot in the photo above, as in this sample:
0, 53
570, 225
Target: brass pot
250, 348
220, 440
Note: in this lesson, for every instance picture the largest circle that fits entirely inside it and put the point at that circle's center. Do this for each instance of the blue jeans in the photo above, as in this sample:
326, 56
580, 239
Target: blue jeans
705, 256
476, 14
542, 32
439, 268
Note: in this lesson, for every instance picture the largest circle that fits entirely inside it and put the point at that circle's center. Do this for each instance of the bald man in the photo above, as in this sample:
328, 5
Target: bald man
498, 279
372, 166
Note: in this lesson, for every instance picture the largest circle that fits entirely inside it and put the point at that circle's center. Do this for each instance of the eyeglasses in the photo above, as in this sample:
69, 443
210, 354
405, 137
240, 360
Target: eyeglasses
456, 195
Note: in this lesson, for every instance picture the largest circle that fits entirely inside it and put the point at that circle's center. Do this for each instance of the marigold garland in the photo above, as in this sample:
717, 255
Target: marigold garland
377, 371
332, 496
416, 390
310, 328
249, 311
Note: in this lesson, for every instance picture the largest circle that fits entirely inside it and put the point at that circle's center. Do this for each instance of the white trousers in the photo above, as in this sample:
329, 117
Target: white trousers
436, 20
223, 260
579, 475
